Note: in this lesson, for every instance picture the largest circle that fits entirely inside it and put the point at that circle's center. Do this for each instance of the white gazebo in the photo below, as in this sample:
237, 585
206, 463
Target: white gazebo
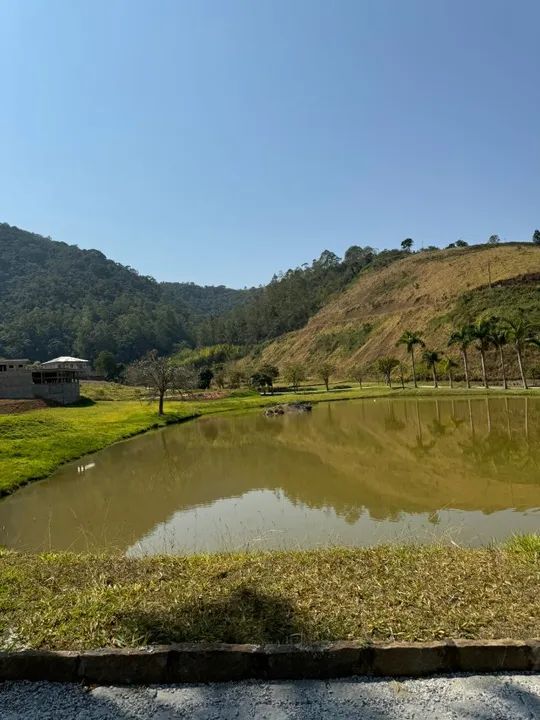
64, 362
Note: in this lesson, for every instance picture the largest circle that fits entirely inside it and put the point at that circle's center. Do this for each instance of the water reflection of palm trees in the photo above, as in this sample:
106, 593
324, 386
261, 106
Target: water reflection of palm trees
500, 448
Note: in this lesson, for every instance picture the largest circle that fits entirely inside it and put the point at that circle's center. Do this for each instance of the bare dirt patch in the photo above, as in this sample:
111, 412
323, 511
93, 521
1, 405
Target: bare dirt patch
14, 407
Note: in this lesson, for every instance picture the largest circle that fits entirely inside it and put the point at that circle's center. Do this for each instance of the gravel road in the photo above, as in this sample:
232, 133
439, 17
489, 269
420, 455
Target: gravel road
480, 697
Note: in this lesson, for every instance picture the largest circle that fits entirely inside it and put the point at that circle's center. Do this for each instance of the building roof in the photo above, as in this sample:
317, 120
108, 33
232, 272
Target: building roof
64, 359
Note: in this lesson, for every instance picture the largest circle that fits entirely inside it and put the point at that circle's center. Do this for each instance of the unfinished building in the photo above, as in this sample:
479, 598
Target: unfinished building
55, 381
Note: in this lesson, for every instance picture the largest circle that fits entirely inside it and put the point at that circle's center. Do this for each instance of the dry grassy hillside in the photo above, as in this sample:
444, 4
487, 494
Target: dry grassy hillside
366, 320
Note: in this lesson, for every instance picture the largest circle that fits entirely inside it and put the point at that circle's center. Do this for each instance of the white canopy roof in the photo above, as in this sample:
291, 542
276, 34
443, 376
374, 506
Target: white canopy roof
65, 359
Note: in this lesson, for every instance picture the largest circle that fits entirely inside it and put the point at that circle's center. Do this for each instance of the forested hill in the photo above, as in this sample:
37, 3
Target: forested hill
205, 300
59, 299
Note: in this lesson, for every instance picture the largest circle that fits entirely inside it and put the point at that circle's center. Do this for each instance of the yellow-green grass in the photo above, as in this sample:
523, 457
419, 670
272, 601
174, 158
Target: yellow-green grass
375, 594
102, 390
34, 444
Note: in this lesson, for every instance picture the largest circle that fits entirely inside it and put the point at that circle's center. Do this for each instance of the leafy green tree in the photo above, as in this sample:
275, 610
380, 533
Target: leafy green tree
160, 374
461, 243
431, 358
407, 244
462, 337
499, 339
536, 237
325, 370
105, 364
386, 365
448, 365
272, 374
236, 378
261, 381
205, 378
219, 376
521, 333
481, 332
494, 240
411, 339
358, 373
294, 374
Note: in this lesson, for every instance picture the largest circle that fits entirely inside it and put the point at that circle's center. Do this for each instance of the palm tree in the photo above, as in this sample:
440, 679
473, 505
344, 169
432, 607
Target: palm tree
448, 366
521, 333
462, 338
410, 339
481, 332
431, 358
499, 338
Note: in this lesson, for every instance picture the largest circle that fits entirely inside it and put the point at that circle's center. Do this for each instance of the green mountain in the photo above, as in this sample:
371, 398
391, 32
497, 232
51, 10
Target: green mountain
59, 299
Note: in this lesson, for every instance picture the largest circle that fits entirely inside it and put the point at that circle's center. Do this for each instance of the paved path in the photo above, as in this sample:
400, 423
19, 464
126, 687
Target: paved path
493, 697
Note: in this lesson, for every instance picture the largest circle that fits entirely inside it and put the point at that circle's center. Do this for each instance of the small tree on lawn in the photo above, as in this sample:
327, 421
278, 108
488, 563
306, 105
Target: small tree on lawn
499, 337
448, 365
294, 374
431, 358
481, 332
536, 237
521, 333
236, 378
160, 374
105, 364
205, 378
386, 365
272, 373
219, 376
358, 374
410, 339
325, 370
462, 337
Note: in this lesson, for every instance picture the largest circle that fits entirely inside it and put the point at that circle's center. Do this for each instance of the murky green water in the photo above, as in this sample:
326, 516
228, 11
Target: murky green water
355, 473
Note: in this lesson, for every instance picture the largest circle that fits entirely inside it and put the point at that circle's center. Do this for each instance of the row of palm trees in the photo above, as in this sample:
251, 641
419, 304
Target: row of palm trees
486, 333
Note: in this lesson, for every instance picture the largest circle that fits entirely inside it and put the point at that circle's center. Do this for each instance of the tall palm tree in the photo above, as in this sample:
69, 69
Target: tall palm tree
410, 339
481, 332
521, 333
462, 337
431, 358
448, 366
499, 338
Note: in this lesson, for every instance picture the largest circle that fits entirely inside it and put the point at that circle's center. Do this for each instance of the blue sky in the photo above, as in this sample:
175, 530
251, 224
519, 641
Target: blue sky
219, 141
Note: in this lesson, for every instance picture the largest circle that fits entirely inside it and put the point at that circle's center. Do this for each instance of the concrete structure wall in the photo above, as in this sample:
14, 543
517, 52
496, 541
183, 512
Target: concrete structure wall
16, 385
63, 393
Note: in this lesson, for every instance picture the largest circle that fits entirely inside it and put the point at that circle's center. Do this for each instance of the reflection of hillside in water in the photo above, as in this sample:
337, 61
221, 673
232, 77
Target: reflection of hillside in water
389, 457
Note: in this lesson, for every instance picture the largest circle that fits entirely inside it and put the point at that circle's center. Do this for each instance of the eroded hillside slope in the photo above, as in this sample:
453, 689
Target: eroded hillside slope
421, 292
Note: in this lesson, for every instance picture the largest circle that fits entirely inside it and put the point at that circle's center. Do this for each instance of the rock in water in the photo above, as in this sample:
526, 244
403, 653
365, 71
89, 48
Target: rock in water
299, 407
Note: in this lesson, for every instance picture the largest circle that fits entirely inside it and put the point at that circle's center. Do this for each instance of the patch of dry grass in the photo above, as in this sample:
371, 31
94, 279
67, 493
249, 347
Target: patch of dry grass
383, 593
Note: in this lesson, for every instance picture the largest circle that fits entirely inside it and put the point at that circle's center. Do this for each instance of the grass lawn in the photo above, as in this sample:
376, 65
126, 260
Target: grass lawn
34, 444
376, 594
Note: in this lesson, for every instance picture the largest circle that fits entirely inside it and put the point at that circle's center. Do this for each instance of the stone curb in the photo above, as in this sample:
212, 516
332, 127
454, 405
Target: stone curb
203, 662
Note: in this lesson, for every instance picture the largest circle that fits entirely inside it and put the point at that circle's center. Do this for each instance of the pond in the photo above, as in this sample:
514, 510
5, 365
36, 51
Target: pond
353, 473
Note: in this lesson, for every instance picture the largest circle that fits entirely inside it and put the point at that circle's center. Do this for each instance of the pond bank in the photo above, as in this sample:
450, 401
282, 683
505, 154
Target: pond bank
35, 443
388, 593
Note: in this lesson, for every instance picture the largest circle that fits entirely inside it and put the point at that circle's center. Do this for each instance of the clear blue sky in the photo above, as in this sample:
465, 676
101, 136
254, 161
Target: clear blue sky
220, 141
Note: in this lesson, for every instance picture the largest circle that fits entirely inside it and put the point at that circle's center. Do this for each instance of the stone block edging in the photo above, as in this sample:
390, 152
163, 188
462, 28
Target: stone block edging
215, 662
